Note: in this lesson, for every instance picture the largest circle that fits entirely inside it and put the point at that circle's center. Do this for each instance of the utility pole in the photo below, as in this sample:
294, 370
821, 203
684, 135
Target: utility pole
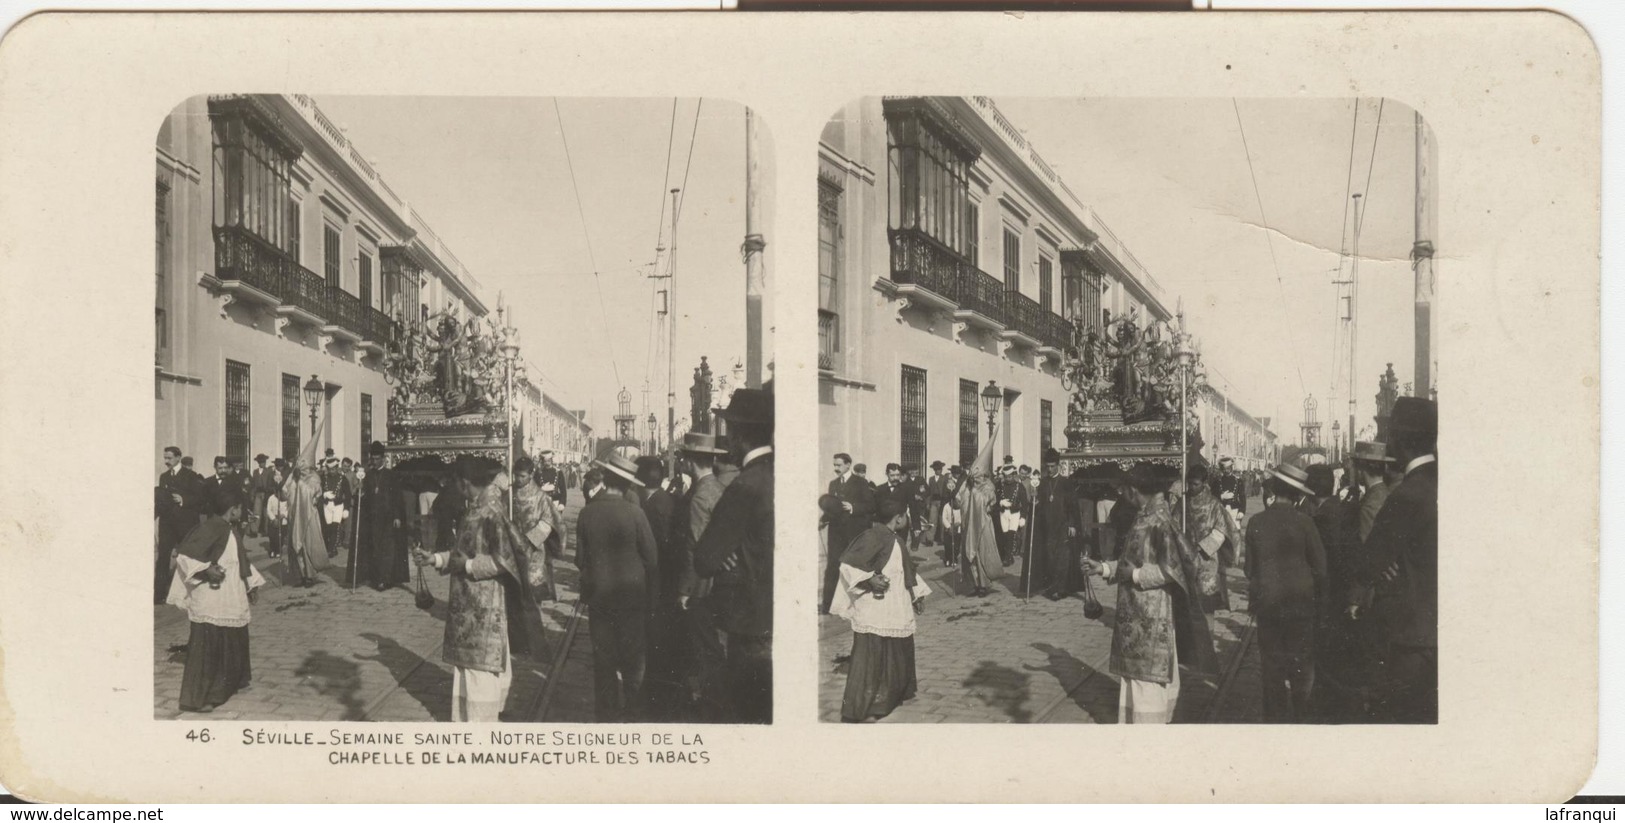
671, 348
755, 275
1422, 258
1354, 318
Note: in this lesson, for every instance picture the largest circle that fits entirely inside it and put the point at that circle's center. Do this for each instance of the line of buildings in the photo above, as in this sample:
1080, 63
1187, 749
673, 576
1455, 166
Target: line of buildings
952, 257
282, 255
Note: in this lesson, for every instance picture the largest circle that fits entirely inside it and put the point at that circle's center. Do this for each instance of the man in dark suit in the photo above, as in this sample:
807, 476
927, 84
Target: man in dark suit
857, 506
895, 488
1400, 565
549, 475
738, 544
935, 487
178, 501
1230, 487
1286, 577
615, 551
916, 505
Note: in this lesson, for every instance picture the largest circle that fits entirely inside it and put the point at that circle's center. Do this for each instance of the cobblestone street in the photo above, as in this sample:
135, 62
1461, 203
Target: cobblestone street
328, 653
1002, 659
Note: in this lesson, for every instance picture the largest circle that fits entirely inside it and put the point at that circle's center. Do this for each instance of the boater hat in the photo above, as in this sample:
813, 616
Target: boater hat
618, 464
700, 443
1292, 476
1371, 452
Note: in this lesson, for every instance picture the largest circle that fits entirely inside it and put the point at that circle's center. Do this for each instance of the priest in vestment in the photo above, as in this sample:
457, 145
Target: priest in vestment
1210, 529
496, 579
213, 582
1160, 624
879, 595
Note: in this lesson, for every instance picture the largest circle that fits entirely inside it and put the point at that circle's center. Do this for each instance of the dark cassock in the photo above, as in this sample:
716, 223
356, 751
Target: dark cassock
381, 558
879, 590
844, 527
176, 517
1057, 523
738, 546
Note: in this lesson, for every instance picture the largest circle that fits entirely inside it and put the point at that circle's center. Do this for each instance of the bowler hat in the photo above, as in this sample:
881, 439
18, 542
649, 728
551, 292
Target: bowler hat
936, 464
617, 463
1414, 415
749, 406
1293, 476
1321, 479
700, 443
376, 449
1051, 456
261, 458
1372, 452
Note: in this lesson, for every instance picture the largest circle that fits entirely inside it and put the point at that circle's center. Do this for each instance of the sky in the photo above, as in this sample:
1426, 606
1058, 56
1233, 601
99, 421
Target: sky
492, 177
1171, 179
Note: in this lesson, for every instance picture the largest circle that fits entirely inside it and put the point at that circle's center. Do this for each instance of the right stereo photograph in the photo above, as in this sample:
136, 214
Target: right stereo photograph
1128, 409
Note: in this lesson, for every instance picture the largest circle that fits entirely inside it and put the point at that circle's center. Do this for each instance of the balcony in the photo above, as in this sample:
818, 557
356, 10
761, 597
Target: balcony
938, 275
344, 314
930, 272
253, 270
1023, 319
378, 330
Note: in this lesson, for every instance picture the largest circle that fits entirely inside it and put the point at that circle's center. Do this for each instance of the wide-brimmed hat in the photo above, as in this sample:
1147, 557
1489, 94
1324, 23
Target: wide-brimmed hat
618, 464
1414, 415
700, 443
749, 406
1293, 476
936, 464
1372, 452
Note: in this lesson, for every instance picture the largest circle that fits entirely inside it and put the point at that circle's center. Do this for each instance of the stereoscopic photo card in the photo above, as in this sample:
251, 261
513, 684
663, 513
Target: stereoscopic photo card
800, 407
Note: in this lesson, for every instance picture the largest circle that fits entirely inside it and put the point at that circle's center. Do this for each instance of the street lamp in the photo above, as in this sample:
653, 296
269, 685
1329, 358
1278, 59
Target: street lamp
654, 436
992, 398
315, 390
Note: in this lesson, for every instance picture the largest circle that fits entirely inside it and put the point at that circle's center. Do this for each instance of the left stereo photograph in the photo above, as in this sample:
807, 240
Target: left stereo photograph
461, 414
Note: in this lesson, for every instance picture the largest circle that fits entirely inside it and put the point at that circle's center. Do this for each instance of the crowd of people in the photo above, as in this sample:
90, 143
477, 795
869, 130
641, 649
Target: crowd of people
1341, 572
676, 572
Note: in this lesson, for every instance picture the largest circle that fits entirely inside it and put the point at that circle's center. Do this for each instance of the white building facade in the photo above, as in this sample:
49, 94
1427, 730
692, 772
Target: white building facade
951, 256
282, 255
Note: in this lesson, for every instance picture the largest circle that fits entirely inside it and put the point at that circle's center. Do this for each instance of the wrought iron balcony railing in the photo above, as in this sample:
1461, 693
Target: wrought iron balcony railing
344, 310
1023, 314
921, 260
241, 255
379, 327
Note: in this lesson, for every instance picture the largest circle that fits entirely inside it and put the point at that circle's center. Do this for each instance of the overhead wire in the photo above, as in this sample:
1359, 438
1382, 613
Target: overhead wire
1270, 241
1372, 164
1342, 251
581, 211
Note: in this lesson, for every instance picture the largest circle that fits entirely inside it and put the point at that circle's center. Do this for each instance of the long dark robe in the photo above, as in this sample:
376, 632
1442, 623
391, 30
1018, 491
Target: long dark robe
217, 666
380, 552
1054, 568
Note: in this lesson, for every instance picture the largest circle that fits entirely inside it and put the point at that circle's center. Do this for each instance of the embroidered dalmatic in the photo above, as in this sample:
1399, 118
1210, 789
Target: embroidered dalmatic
1159, 623
1210, 529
